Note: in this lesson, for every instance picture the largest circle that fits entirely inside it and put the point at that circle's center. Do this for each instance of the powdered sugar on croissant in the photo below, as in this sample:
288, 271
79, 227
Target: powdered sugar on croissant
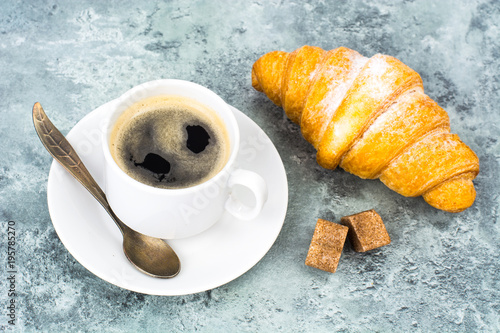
371, 117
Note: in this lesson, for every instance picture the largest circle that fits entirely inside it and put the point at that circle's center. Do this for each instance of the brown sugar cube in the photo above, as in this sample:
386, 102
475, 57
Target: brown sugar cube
326, 245
366, 230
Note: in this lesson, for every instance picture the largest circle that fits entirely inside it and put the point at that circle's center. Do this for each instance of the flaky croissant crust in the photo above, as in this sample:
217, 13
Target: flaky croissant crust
370, 116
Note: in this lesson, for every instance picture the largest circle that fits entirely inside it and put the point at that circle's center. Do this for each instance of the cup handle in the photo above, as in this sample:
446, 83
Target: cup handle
256, 184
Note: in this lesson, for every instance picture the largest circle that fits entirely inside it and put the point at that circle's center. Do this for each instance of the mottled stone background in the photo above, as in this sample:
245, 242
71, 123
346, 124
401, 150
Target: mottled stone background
441, 272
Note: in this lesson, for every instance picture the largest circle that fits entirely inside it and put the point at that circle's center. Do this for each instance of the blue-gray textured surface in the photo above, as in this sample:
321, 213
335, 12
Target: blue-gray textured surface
441, 272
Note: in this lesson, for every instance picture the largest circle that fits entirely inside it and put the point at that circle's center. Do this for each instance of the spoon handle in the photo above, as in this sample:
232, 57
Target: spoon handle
62, 151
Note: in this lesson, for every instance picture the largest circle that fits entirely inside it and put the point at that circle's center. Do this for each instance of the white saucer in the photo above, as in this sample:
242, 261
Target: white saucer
217, 256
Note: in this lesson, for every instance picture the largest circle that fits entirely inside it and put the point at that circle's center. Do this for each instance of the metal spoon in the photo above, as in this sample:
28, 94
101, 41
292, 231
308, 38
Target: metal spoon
150, 255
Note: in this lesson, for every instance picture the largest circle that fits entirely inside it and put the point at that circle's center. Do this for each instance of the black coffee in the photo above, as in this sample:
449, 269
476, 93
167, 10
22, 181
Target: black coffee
170, 142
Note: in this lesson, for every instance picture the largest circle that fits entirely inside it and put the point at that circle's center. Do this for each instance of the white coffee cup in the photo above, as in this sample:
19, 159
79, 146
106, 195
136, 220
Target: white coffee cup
185, 212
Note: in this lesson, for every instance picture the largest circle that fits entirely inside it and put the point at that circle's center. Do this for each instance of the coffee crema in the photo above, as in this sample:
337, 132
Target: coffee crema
170, 142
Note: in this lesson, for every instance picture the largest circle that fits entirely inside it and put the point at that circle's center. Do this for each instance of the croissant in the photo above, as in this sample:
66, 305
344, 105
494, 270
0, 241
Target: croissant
370, 116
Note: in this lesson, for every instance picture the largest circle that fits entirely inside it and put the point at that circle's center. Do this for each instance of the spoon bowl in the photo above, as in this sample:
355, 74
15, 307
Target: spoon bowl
150, 255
